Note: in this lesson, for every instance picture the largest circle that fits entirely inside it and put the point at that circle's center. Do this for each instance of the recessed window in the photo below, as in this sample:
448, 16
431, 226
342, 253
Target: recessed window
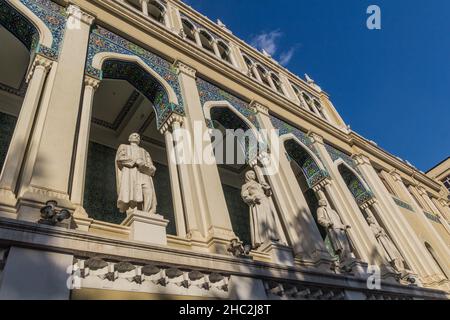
308, 102
189, 30
206, 41
277, 83
263, 74
224, 51
156, 10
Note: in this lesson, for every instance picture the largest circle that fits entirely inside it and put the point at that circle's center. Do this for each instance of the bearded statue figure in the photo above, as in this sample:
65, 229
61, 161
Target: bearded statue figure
134, 172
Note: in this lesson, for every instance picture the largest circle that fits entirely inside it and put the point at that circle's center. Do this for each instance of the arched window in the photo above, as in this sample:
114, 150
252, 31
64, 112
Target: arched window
189, 30
319, 108
249, 64
206, 40
263, 74
224, 51
308, 102
277, 83
156, 10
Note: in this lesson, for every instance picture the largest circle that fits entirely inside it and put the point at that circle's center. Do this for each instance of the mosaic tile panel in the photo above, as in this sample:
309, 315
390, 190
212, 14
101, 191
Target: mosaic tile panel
403, 204
356, 187
432, 217
336, 154
54, 17
311, 170
103, 40
210, 92
285, 128
239, 213
7, 125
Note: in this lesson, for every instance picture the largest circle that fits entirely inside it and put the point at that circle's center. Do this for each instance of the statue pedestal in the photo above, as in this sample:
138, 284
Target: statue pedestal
279, 253
145, 227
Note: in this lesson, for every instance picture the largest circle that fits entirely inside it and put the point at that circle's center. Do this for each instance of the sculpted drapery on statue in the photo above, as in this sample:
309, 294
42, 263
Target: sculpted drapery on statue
336, 230
262, 212
134, 172
394, 256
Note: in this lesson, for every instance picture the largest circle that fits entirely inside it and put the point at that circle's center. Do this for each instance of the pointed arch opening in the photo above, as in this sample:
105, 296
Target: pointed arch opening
18, 38
128, 100
206, 41
308, 172
189, 30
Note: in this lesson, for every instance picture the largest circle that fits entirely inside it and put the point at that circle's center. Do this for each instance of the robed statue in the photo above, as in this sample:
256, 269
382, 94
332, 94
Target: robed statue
336, 230
262, 212
393, 255
134, 172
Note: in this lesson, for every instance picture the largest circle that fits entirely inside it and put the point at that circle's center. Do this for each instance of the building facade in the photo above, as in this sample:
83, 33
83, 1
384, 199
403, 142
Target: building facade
78, 77
441, 172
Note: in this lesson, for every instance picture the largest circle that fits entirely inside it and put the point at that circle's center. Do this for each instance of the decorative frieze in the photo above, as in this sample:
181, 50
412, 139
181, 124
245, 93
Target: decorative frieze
150, 278
302, 291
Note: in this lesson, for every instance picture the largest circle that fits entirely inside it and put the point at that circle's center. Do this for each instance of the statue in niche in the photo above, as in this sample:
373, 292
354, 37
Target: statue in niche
134, 172
336, 230
262, 212
394, 256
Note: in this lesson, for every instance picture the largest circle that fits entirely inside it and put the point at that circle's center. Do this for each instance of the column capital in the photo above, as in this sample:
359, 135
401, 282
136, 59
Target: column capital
360, 159
91, 82
259, 108
146, 1
421, 189
315, 137
185, 69
170, 121
396, 176
39, 61
78, 14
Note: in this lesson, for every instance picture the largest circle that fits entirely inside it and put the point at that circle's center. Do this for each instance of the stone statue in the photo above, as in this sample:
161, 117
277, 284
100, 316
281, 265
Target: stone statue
394, 256
134, 172
262, 213
336, 230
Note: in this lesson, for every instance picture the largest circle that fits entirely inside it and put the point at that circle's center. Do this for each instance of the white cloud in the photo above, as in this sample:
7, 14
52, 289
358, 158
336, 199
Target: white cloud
267, 41
285, 57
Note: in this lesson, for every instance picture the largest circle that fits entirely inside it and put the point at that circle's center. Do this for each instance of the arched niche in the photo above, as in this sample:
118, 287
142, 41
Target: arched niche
128, 100
106, 45
309, 172
356, 185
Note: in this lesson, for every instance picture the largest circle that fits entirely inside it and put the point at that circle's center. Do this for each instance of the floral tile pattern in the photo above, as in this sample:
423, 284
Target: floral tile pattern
52, 15
103, 40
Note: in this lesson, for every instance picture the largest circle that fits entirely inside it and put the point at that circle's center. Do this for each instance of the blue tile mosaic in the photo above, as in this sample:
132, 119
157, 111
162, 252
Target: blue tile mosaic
103, 40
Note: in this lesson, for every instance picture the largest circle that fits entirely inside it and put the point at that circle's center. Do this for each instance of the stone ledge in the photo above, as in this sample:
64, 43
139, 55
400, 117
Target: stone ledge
27, 234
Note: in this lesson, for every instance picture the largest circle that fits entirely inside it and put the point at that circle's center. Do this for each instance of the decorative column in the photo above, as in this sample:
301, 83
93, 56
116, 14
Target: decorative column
444, 208
48, 167
173, 173
174, 18
210, 202
19, 141
326, 102
438, 243
434, 210
197, 38
144, 6
302, 233
287, 88
81, 151
216, 49
392, 218
236, 55
364, 242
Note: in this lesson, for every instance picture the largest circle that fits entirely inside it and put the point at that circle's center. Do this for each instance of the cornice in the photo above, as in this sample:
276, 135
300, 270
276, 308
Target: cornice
211, 62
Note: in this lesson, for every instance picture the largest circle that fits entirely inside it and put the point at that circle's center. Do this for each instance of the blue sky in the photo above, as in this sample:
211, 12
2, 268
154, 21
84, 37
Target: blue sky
391, 85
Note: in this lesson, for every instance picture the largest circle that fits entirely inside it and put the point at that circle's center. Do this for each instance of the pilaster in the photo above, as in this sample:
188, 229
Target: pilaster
48, 167
210, 202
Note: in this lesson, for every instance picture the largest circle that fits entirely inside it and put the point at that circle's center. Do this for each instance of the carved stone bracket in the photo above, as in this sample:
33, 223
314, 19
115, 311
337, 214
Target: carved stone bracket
78, 14
301, 291
184, 69
167, 125
39, 61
